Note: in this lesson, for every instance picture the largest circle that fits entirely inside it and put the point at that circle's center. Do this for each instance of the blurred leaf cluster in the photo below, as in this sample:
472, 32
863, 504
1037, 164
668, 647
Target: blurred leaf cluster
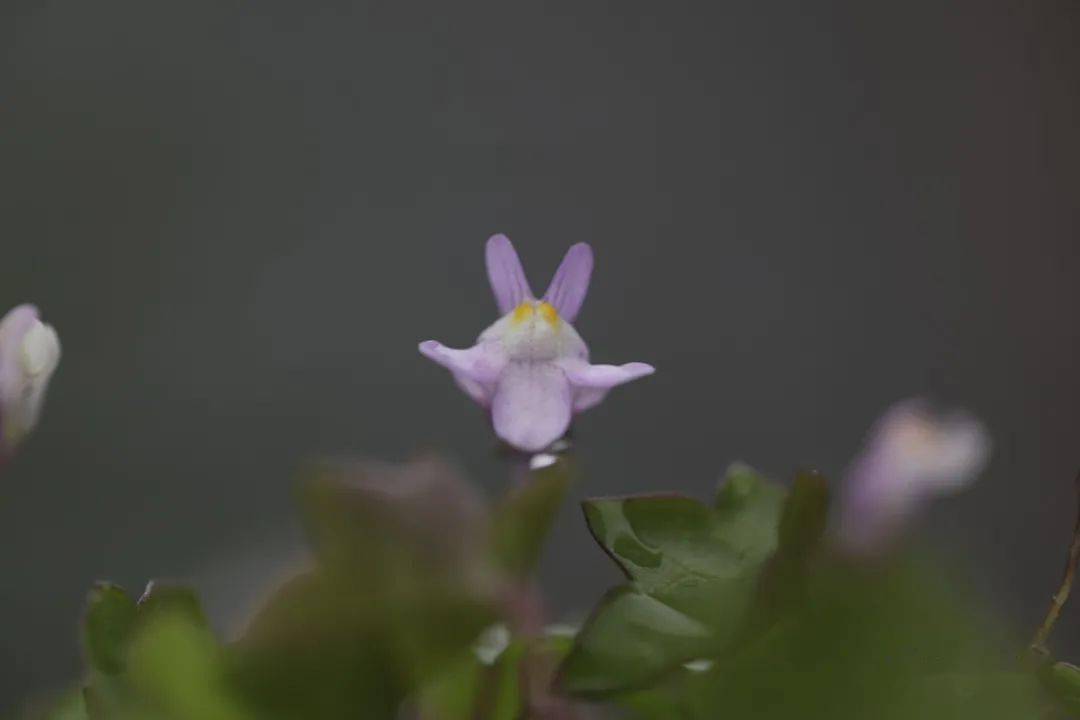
421, 606
742, 609
411, 565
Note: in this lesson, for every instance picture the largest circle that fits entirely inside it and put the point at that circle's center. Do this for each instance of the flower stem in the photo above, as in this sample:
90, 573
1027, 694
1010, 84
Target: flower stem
1057, 602
527, 615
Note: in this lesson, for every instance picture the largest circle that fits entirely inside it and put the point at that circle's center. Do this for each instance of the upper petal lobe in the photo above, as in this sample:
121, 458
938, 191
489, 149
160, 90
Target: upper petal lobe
506, 275
571, 282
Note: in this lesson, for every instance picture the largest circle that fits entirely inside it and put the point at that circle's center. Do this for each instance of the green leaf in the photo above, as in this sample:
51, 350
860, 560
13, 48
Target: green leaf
521, 523
806, 513
802, 527
407, 545
749, 505
493, 690
631, 639
889, 641
473, 689
451, 695
316, 651
503, 699
112, 619
1062, 679
161, 599
152, 660
693, 574
408, 528
1065, 677
107, 627
403, 585
176, 670
981, 694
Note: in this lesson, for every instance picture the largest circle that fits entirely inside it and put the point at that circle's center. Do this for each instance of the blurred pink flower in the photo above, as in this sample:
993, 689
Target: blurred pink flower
912, 455
531, 368
29, 354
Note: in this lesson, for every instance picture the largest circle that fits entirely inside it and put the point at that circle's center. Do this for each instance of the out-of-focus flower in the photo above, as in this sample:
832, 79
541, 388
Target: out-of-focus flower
29, 354
531, 368
912, 455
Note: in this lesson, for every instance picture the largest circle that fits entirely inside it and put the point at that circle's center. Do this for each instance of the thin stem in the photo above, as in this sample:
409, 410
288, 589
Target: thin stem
527, 615
1057, 602
524, 610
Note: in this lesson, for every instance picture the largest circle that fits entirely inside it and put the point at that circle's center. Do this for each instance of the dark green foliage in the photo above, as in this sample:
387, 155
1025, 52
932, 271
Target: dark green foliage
411, 568
693, 571
411, 565
1062, 680
779, 627
739, 609
107, 627
152, 659
497, 690
521, 522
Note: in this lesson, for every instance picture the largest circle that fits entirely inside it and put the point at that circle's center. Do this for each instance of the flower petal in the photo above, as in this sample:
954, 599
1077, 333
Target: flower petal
13, 327
475, 369
531, 407
571, 282
29, 355
506, 275
591, 383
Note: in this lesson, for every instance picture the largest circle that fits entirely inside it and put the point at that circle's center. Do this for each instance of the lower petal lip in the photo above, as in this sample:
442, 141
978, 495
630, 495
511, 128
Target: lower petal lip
532, 406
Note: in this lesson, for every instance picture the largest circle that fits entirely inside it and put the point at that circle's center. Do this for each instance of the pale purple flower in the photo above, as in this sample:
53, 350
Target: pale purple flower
531, 368
912, 455
29, 354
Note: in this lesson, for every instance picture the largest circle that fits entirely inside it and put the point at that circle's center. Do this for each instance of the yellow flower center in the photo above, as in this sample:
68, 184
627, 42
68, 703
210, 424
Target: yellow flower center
526, 310
523, 312
549, 313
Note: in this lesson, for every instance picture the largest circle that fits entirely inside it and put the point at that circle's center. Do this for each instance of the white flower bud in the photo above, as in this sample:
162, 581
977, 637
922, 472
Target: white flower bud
29, 354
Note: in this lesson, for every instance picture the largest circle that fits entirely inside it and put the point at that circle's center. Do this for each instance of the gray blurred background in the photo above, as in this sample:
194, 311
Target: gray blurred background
243, 216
